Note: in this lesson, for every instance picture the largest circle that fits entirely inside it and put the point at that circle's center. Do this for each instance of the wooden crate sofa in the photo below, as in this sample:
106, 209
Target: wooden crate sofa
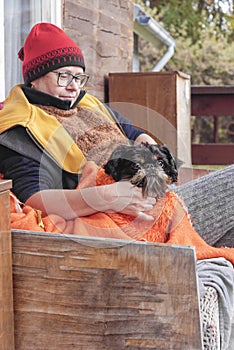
73, 292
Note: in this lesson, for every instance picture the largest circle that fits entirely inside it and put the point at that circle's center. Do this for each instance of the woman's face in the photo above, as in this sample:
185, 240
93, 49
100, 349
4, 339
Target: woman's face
49, 84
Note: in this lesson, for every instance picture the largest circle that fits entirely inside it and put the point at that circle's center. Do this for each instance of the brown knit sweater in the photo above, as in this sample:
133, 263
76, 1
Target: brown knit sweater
96, 135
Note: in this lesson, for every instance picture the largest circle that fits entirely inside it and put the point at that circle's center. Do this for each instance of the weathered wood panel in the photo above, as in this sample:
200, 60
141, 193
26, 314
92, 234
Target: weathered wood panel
6, 291
159, 103
91, 294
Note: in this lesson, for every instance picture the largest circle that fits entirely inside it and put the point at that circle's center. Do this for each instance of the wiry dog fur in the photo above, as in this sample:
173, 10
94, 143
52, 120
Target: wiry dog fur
151, 167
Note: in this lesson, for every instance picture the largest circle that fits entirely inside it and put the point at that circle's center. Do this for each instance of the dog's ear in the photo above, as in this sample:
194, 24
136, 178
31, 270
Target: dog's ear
113, 168
170, 163
176, 162
165, 150
114, 165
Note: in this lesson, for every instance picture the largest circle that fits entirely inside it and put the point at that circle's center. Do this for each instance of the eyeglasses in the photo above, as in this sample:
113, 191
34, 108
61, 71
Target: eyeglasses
65, 78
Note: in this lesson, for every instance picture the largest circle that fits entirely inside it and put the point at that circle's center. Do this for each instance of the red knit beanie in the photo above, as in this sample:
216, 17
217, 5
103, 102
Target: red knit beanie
46, 48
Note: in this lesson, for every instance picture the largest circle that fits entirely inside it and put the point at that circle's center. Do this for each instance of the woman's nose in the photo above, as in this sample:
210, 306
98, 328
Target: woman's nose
74, 85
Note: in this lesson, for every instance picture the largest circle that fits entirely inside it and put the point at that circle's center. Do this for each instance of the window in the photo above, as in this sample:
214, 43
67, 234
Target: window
16, 19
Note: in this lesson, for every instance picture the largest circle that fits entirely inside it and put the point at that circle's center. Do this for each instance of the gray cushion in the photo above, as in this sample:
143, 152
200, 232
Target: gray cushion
209, 200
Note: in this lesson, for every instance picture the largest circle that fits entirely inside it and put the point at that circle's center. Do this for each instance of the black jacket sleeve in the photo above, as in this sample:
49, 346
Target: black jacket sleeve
26, 175
29, 176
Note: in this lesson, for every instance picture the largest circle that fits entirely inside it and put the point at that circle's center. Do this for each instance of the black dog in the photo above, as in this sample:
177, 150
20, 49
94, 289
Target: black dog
151, 167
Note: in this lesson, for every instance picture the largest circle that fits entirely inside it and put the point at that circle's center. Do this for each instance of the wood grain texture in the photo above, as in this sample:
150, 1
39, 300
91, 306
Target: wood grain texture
6, 289
87, 294
159, 103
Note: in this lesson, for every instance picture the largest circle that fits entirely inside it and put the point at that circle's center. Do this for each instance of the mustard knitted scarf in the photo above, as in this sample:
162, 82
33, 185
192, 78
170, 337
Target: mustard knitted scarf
69, 137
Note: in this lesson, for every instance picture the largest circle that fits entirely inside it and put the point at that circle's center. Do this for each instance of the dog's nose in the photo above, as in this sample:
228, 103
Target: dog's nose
149, 166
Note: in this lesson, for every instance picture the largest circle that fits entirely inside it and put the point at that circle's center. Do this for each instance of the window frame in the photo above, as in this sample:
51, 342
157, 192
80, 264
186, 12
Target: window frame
38, 11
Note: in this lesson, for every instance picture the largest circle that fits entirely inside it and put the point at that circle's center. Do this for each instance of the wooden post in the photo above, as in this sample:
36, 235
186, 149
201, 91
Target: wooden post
159, 103
6, 289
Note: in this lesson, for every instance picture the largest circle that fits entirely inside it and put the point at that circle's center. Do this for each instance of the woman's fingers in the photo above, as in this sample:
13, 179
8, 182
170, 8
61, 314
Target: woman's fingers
145, 216
128, 199
119, 197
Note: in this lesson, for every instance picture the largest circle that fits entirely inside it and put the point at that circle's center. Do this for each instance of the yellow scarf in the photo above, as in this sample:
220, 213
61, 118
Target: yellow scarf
45, 128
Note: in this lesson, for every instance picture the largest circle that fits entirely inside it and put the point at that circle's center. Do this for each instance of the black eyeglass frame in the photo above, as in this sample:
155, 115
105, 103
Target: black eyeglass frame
76, 77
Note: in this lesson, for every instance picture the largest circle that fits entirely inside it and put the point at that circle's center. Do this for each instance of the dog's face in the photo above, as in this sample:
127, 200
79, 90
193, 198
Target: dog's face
169, 163
151, 167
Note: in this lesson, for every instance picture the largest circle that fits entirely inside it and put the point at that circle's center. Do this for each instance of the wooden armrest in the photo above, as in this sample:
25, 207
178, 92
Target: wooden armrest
103, 294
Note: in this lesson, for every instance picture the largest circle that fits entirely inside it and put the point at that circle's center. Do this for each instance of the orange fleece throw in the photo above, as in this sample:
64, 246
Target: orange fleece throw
172, 224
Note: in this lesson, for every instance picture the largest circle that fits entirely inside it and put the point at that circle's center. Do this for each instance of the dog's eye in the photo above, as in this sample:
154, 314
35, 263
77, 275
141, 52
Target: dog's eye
135, 166
161, 163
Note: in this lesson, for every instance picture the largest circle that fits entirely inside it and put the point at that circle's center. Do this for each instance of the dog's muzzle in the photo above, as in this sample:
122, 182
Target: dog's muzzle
152, 180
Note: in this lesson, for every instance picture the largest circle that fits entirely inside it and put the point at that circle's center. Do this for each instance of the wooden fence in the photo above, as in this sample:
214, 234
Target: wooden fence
213, 101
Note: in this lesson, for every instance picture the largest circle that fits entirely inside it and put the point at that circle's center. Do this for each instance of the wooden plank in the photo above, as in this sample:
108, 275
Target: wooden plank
212, 100
213, 154
212, 90
74, 292
6, 289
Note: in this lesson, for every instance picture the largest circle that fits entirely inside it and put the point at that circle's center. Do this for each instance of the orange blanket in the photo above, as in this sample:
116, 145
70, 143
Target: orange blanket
172, 224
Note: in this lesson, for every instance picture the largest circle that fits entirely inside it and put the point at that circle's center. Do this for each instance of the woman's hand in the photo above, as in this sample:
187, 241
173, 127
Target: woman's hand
120, 197
145, 138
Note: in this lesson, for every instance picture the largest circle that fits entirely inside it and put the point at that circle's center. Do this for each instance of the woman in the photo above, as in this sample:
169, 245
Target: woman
53, 72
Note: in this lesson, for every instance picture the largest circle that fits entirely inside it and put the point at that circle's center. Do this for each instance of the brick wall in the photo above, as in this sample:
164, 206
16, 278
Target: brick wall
104, 31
